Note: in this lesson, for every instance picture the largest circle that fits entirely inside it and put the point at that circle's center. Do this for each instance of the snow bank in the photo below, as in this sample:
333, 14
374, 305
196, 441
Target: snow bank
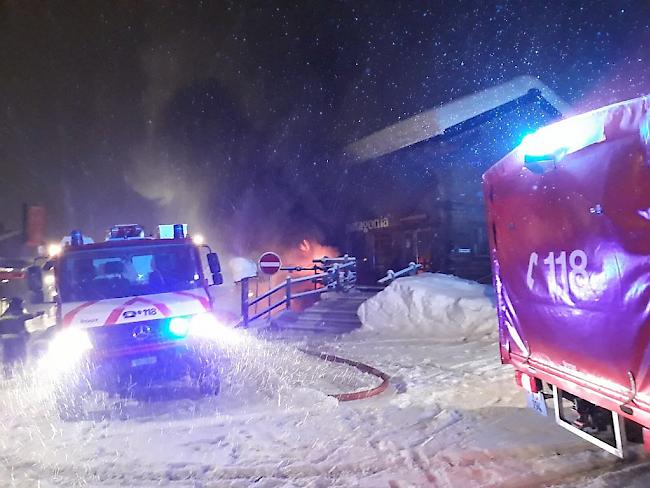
431, 305
242, 268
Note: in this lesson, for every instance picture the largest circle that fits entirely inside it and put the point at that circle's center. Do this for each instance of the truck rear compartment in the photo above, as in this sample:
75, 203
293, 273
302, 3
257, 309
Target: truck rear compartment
570, 248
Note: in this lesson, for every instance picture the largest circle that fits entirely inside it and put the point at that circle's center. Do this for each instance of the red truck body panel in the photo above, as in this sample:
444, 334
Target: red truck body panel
570, 248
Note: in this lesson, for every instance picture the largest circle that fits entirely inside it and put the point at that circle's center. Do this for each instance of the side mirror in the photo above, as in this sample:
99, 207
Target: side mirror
215, 268
213, 263
217, 279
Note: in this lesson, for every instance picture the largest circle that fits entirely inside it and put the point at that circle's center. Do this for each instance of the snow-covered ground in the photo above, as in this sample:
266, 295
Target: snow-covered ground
452, 418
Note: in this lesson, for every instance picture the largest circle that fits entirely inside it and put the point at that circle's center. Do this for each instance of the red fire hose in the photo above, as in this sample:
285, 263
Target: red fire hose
357, 395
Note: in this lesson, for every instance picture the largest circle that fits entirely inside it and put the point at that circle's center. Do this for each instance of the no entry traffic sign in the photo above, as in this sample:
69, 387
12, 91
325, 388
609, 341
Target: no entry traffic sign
269, 263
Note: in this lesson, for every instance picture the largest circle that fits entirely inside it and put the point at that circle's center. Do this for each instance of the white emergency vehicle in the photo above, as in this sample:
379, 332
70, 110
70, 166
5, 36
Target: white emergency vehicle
129, 311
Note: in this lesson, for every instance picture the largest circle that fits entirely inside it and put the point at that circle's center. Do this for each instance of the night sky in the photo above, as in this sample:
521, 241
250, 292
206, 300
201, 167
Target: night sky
232, 115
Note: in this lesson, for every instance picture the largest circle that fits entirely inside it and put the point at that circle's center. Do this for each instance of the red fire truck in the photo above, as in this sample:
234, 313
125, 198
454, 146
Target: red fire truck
569, 227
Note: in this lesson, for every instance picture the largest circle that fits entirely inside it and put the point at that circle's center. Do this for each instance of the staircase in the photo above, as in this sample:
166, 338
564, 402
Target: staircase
334, 313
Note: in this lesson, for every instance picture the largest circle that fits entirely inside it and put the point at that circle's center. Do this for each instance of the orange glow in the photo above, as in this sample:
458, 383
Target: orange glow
302, 255
308, 250
305, 246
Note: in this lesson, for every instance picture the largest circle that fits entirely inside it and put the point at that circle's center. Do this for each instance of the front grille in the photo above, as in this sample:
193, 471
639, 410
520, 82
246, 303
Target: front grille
133, 335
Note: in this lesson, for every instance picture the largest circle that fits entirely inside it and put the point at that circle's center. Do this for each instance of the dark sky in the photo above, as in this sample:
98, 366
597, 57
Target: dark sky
231, 115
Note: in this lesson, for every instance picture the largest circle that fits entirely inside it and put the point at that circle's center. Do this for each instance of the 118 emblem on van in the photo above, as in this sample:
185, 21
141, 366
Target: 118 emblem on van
146, 312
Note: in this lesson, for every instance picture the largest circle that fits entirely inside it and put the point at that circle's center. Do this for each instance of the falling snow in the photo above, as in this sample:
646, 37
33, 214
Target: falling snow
238, 119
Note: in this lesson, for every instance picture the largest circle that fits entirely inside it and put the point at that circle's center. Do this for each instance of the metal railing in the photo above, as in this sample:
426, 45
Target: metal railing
391, 275
330, 274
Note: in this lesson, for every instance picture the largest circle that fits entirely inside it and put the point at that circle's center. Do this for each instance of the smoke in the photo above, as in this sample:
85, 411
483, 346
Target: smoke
162, 169
233, 134
212, 159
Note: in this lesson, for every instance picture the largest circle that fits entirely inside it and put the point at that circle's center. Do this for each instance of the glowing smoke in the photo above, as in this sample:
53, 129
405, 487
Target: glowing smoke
217, 153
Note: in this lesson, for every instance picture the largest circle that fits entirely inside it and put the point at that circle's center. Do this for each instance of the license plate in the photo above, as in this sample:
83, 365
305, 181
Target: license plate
536, 402
144, 361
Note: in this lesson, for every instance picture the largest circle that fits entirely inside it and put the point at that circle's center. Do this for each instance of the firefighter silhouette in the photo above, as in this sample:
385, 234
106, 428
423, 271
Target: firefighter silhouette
14, 336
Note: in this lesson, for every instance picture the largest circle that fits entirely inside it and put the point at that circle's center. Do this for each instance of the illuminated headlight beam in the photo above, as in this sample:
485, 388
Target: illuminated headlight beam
206, 326
66, 349
54, 249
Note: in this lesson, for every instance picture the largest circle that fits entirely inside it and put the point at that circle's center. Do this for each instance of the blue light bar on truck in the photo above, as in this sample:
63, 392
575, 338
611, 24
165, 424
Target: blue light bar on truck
172, 231
125, 231
76, 238
79, 240
557, 140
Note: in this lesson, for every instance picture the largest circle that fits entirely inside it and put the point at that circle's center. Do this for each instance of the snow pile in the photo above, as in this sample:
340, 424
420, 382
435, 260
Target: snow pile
431, 305
242, 268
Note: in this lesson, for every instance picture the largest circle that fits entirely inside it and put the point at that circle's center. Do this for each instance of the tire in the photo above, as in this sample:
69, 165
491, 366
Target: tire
633, 431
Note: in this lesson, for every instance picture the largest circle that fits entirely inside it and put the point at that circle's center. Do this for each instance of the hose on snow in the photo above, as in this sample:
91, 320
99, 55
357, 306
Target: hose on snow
356, 395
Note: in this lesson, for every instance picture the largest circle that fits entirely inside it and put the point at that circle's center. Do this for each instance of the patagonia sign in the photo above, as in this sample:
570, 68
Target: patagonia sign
368, 225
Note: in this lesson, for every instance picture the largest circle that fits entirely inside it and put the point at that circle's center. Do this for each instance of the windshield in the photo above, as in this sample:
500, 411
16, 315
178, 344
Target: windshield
127, 271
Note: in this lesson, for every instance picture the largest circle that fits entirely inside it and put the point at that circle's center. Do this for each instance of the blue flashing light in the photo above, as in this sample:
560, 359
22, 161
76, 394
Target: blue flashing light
553, 142
172, 231
178, 327
76, 238
125, 231
543, 145
179, 231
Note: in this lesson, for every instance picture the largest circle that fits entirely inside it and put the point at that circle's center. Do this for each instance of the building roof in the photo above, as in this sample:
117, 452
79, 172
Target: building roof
437, 121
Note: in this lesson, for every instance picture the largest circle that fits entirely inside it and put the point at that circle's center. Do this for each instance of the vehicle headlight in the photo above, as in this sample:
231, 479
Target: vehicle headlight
207, 326
200, 325
71, 341
67, 347
204, 325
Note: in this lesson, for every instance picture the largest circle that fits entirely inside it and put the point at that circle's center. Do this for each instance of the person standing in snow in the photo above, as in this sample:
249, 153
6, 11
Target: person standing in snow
14, 335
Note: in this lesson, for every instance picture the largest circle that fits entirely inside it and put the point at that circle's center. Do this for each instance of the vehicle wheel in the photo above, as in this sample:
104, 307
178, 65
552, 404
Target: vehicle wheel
633, 431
